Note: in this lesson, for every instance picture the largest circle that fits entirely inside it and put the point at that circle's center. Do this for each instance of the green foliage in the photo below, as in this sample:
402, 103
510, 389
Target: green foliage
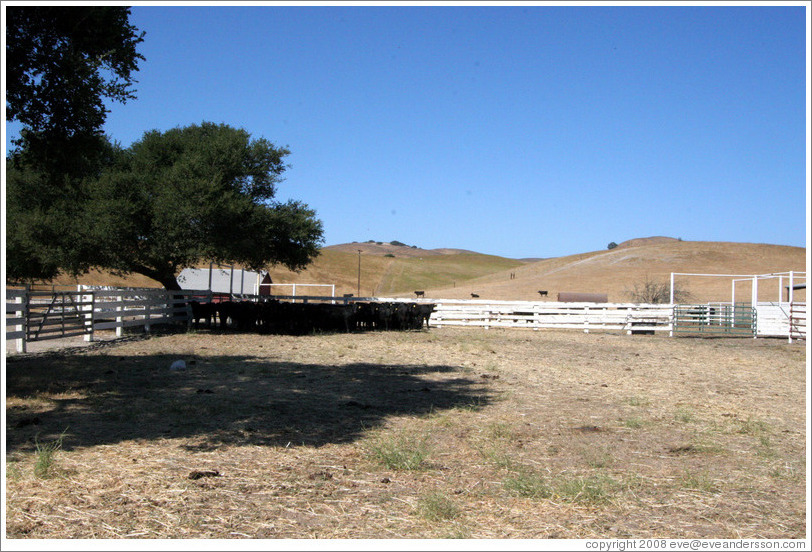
199, 192
170, 200
44, 235
611, 245
62, 63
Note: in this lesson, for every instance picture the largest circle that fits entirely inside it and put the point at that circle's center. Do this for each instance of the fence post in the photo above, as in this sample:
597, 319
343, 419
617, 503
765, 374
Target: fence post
586, 319
21, 345
146, 314
119, 317
89, 316
189, 313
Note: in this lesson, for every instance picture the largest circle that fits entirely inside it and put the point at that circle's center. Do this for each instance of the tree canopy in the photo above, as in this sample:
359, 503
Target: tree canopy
76, 201
62, 63
200, 192
172, 200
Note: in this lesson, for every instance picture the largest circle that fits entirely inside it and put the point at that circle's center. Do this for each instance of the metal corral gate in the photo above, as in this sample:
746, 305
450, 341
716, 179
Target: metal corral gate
715, 320
60, 314
42, 315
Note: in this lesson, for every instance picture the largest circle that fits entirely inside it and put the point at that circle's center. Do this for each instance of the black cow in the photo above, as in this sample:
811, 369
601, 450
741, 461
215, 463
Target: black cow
543, 293
424, 313
364, 316
241, 314
474, 296
202, 311
382, 315
420, 293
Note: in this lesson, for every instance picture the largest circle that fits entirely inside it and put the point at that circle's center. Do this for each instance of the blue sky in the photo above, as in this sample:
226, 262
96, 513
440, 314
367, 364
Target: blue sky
521, 131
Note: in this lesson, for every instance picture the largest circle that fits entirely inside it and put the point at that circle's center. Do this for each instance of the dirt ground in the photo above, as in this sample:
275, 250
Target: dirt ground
445, 433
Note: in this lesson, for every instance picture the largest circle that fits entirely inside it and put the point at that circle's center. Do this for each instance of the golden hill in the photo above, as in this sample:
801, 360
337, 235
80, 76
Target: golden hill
398, 271
616, 271
388, 276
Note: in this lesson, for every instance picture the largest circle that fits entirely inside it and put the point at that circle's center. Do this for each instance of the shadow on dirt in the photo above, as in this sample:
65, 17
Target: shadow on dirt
218, 401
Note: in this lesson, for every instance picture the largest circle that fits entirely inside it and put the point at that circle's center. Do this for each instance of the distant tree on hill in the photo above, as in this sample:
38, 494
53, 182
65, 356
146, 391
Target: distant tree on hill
611, 245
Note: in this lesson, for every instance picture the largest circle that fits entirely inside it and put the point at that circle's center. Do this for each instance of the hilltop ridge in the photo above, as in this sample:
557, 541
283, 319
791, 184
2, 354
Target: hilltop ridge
636, 242
392, 248
616, 271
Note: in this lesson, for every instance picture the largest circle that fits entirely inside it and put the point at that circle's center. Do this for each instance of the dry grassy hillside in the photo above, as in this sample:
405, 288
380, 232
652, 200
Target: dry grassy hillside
616, 271
647, 241
339, 268
401, 274
452, 274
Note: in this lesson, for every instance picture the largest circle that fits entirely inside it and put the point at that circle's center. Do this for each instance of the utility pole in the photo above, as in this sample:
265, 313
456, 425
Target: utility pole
359, 273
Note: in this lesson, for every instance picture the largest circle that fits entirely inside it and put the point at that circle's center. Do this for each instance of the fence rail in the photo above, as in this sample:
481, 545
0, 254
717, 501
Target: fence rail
633, 318
41, 315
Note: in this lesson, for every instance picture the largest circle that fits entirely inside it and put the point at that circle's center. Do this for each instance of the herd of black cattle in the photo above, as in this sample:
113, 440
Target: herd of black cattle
277, 317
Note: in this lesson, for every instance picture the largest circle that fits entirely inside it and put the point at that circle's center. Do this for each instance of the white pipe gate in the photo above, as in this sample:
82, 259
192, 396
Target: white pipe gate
784, 317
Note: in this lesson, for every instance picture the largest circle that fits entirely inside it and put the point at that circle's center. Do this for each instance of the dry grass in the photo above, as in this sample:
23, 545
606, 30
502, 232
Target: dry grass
506, 434
615, 272
455, 274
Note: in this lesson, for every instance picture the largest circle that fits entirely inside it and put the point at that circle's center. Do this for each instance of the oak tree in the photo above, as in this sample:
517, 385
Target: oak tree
198, 193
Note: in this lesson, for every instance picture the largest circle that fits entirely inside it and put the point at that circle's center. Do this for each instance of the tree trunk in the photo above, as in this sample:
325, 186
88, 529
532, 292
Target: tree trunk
164, 275
169, 282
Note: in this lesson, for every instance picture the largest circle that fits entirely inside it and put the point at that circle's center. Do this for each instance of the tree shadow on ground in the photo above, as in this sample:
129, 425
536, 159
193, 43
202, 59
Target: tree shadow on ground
219, 401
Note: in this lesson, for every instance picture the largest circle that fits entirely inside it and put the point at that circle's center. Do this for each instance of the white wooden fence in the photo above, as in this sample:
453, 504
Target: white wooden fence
773, 319
43, 315
631, 317
32, 316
